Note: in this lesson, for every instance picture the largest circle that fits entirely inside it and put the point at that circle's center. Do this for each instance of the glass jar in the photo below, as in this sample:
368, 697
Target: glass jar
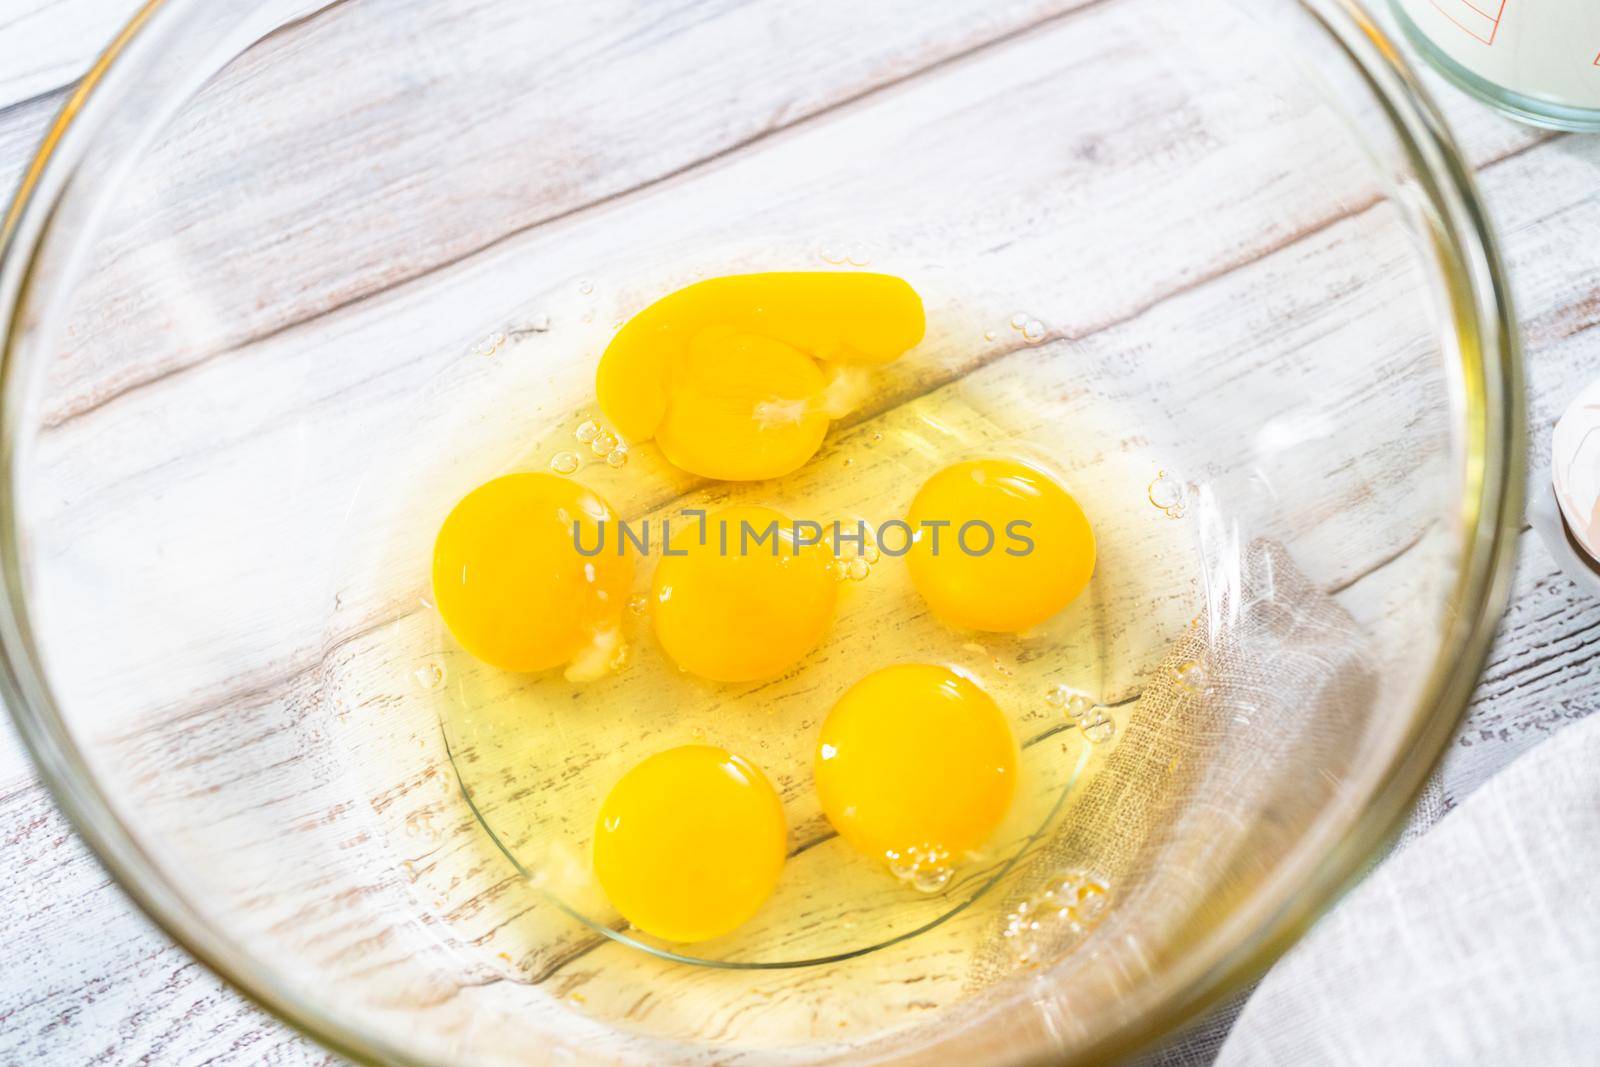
1536, 60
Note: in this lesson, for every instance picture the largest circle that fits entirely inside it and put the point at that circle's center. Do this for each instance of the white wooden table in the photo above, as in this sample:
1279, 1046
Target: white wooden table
84, 978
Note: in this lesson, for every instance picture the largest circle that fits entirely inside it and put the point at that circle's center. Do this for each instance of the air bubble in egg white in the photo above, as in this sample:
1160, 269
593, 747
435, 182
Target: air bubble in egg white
1069, 700
926, 868
587, 431
489, 345
1168, 494
1097, 727
902, 867
1058, 916
565, 462
1191, 675
429, 676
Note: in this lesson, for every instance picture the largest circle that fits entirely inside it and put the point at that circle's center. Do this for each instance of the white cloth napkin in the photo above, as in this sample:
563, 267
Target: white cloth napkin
1478, 943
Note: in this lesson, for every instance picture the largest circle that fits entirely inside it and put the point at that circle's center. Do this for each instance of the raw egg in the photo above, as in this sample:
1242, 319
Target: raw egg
749, 598
513, 587
728, 375
915, 757
689, 843
998, 545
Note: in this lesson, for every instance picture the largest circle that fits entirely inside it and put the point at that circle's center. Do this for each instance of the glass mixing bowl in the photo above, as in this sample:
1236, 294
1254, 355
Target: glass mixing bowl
286, 276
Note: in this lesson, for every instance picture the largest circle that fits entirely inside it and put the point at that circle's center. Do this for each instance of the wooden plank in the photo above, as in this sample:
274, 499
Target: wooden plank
417, 195
1544, 672
367, 139
46, 45
22, 125
120, 994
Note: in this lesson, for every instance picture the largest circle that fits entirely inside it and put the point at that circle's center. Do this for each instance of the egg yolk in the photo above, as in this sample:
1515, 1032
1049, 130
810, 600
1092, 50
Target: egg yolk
747, 599
689, 843
728, 374
513, 588
998, 545
915, 757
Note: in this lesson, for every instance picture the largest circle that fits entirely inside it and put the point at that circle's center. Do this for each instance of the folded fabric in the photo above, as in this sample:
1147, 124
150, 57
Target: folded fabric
1477, 943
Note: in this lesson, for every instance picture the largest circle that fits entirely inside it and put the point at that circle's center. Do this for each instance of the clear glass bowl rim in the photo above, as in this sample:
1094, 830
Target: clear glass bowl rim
1492, 434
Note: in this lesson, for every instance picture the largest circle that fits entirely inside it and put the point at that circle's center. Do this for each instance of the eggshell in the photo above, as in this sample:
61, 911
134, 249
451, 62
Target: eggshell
1575, 468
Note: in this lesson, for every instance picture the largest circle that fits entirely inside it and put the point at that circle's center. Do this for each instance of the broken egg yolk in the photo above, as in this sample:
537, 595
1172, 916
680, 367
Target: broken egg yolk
750, 596
915, 757
998, 545
513, 587
737, 378
689, 844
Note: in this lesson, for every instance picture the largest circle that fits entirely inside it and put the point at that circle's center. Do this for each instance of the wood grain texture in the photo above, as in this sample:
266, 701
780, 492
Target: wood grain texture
21, 127
46, 45
401, 179
122, 995
87, 980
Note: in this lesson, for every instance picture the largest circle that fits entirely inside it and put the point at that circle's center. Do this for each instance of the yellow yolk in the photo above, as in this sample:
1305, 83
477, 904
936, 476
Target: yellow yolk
915, 757
740, 402
689, 844
749, 602
725, 375
512, 586
998, 545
